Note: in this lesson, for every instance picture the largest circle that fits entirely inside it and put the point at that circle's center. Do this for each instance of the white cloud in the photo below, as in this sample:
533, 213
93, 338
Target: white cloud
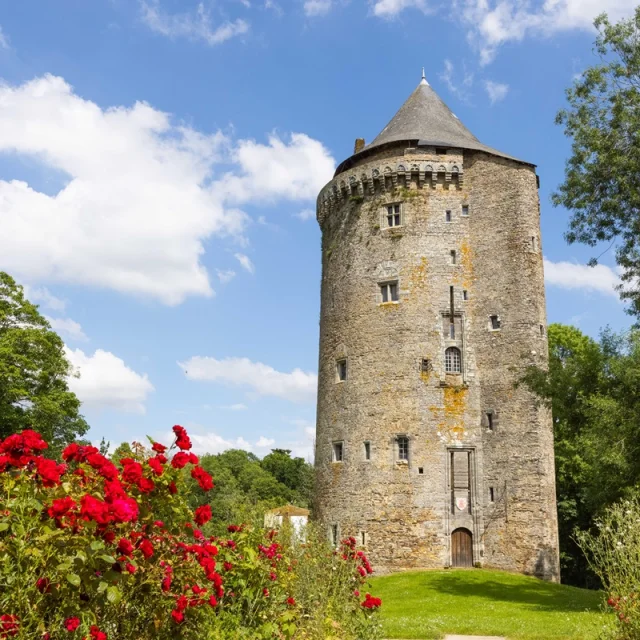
265, 443
495, 22
496, 91
569, 275
225, 276
68, 328
295, 170
105, 381
459, 89
317, 7
245, 261
305, 214
42, 296
236, 407
130, 169
193, 26
4, 41
297, 386
391, 8
208, 441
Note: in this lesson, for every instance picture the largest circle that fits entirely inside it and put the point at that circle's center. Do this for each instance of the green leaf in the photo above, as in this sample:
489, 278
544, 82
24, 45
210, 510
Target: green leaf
74, 579
96, 545
107, 558
4, 526
113, 595
102, 587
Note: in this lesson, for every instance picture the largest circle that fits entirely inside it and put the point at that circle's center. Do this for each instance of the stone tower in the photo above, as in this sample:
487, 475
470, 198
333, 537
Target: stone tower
433, 305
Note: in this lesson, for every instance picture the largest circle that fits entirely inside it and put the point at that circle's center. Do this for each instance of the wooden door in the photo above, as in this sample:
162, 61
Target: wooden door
461, 548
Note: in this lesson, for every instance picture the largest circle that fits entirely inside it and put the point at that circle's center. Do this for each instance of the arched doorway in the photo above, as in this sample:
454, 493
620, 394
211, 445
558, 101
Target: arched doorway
462, 548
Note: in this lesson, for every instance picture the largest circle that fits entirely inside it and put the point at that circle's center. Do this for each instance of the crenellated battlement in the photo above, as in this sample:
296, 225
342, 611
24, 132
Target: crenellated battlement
384, 176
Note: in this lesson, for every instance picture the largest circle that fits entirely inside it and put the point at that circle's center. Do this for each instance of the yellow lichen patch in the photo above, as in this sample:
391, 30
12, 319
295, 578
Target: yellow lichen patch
466, 260
455, 402
388, 305
425, 375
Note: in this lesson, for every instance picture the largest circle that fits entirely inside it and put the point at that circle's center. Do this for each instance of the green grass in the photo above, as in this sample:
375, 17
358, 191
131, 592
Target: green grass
429, 604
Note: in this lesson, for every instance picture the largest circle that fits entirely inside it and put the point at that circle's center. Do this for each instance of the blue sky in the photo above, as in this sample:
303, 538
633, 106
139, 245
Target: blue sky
159, 163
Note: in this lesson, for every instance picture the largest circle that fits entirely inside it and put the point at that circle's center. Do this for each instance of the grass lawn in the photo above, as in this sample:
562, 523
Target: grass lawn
428, 604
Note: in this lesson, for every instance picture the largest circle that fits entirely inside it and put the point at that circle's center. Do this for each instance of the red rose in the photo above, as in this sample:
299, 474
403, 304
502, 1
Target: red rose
180, 460
71, 624
43, 585
132, 470
124, 510
182, 439
8, 625
146, 548
172, 487
370, 602
291, 602
203, 478
125, 547
212, 601
48, 471
166, 583
96, 634
130, 567
156, 466
145, 485
202, 514
60, 507
178, 616
158, 448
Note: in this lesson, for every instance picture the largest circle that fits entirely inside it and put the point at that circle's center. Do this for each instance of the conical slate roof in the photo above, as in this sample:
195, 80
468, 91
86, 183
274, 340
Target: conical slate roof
425, 118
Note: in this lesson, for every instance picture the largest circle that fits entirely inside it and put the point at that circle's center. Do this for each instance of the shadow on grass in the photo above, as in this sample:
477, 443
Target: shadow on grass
534, 595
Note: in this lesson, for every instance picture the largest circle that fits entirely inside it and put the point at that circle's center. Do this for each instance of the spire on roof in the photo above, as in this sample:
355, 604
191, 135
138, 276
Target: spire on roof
424, 78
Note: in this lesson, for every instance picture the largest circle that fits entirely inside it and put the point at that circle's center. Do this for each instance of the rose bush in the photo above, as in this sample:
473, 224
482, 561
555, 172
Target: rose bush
93, 551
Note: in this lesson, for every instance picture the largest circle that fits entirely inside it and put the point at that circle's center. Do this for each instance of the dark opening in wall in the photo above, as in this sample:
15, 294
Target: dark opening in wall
425, 365
452, 253
367, 451
447, 216
465, 294
420, 470
334, 535
492, 496
341, 369
495, 322
338, 451
490, 420
441, 151
465, 210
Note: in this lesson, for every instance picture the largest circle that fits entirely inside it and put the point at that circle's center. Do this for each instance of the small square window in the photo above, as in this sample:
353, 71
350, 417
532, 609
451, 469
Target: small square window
403, 448
420, 471
465, 294
465, 210
393, 215
492, 495
341, 370
338, 452
367, 451
389, 291
452, 254
447, 216
425, 365
495, 322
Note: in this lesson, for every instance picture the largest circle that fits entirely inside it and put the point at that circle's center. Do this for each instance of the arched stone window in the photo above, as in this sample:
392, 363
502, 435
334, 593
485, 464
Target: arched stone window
453, 360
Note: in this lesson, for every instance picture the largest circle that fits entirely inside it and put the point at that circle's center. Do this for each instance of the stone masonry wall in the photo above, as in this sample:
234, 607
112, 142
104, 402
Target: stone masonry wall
402, 512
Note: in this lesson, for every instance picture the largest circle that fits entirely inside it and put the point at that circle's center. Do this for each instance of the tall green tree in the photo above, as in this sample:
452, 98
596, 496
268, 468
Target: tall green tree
602, 176
34, 393
593, 389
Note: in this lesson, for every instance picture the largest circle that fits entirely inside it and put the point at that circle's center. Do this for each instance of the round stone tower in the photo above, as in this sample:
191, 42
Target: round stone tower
433, 305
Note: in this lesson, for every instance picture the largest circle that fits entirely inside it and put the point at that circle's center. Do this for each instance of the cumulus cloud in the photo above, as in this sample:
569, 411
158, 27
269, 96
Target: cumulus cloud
140, 195
245, 261
43, 297
68, 328
193, 26
4, 41
569, 275
105, 381
317, 7
296, 386
496, 91
495, 22
391, 8
265, 443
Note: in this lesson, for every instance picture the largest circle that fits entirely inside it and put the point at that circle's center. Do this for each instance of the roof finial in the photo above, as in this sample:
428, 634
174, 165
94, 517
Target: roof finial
424, 78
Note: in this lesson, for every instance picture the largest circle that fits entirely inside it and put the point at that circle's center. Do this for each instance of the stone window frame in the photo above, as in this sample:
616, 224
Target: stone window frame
339, 376
465, 295
363, 538
388, 283
453, 349
459, 342
448, 216
464, 211
384, 222
495, 322
402, 462
453, 257
473, 478
337, 445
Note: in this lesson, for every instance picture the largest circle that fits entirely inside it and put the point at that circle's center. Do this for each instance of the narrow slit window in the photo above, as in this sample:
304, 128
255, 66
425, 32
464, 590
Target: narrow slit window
542, 330
534, 243
465, 295
389, 291
452, 360
495, 322
447, 216
420, 471
490, 420
492, 495
363, 538
367, 451
425, 365
341, 369
334, 535
393, 215
403, 448
452, 331
338, 451
465, 210
452, 253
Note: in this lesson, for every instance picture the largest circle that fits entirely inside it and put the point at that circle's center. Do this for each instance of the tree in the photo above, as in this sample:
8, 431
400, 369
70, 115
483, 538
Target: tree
602, 176
33, 373
591, 388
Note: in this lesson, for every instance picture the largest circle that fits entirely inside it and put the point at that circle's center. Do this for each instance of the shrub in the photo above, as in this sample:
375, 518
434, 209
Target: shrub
613, 552
90, 550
